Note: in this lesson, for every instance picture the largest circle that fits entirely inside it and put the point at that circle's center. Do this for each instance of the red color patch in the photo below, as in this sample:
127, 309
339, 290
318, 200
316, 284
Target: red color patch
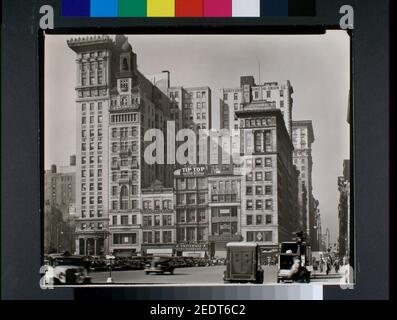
189, 8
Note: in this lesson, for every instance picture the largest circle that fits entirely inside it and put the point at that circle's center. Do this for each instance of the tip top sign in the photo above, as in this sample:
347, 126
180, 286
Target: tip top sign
193, 171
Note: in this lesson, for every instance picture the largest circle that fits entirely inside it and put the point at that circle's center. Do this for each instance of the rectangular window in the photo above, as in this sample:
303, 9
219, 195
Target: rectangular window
157, 236
269, 204
259, 219
167, 220
258, 190
258, 176
124, 220
167, 236
249, 220
268, 219
259, 205
114, 220
249, 204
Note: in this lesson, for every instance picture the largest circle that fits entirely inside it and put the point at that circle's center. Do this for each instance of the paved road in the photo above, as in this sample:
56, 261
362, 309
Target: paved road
196, 275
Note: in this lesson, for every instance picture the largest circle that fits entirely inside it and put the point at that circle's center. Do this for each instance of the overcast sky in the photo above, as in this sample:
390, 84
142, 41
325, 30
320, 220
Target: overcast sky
317, 66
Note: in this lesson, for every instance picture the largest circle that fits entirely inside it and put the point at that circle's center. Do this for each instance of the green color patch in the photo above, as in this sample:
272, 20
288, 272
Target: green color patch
132, 8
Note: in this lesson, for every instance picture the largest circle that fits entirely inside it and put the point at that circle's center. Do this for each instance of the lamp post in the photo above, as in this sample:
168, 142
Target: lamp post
109, 257
59, 233
327, 234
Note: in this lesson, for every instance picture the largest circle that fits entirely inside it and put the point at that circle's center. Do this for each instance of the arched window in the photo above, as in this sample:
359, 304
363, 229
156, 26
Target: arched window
124, 198
125, 64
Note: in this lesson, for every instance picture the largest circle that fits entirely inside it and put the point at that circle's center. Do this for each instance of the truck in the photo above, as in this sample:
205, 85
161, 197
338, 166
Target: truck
289, 252
243, 263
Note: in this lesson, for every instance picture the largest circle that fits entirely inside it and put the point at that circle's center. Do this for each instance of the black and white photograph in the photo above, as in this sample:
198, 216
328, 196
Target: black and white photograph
197, 159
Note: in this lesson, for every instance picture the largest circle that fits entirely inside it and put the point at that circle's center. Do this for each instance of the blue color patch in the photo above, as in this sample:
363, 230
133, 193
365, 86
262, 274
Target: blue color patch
278, 8
76, 8
104, 8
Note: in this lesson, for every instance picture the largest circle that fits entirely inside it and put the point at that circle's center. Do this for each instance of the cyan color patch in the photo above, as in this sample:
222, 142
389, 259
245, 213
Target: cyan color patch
104, 8
75, 8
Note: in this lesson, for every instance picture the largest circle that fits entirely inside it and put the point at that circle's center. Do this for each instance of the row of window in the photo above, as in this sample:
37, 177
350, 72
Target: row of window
156, 204
191, 216
92, 133
259, 204
224, 228
98, 76
91, 186
91, 159
124, 220
91, 93
258, 219
258, 162
91, 173
192, 234
268, 94
120, 118
91, 146
259, 175
223, 212
92, 54
259, 190
124, 204
258, 122
191, 199
91, 200
91, 213
156, 220
157, 236
226, 96
125, 146
191, 183
199, 105
224, 198
124, 174
91, 119
124, 132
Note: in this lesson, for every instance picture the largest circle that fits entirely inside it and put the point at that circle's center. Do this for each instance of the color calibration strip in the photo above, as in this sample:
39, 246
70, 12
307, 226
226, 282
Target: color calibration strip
187, 8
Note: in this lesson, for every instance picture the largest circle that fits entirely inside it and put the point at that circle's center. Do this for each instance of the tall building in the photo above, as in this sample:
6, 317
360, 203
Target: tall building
192, 213
59, 197
158, 220
269, 95
224, 197
269, 189
116, 105
302, 139
194, 103
344, 211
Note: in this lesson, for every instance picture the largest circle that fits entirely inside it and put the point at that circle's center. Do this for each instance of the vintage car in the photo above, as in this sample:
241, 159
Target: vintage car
243, 263
66, 269
160, 265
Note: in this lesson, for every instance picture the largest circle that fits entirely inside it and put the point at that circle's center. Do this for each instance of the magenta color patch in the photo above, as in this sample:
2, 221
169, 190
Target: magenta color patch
217, 8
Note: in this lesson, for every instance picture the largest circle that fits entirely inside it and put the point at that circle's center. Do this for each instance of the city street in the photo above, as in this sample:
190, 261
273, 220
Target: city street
195, 275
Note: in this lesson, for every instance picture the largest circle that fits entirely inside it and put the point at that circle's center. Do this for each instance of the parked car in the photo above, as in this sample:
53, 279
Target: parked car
66, 269
160, 265
98, 263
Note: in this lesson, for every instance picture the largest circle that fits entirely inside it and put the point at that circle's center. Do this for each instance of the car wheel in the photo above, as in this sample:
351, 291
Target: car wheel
147, 272
172, 271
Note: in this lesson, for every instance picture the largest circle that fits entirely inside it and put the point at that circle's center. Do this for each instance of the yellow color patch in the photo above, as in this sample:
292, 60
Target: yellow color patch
161, 8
